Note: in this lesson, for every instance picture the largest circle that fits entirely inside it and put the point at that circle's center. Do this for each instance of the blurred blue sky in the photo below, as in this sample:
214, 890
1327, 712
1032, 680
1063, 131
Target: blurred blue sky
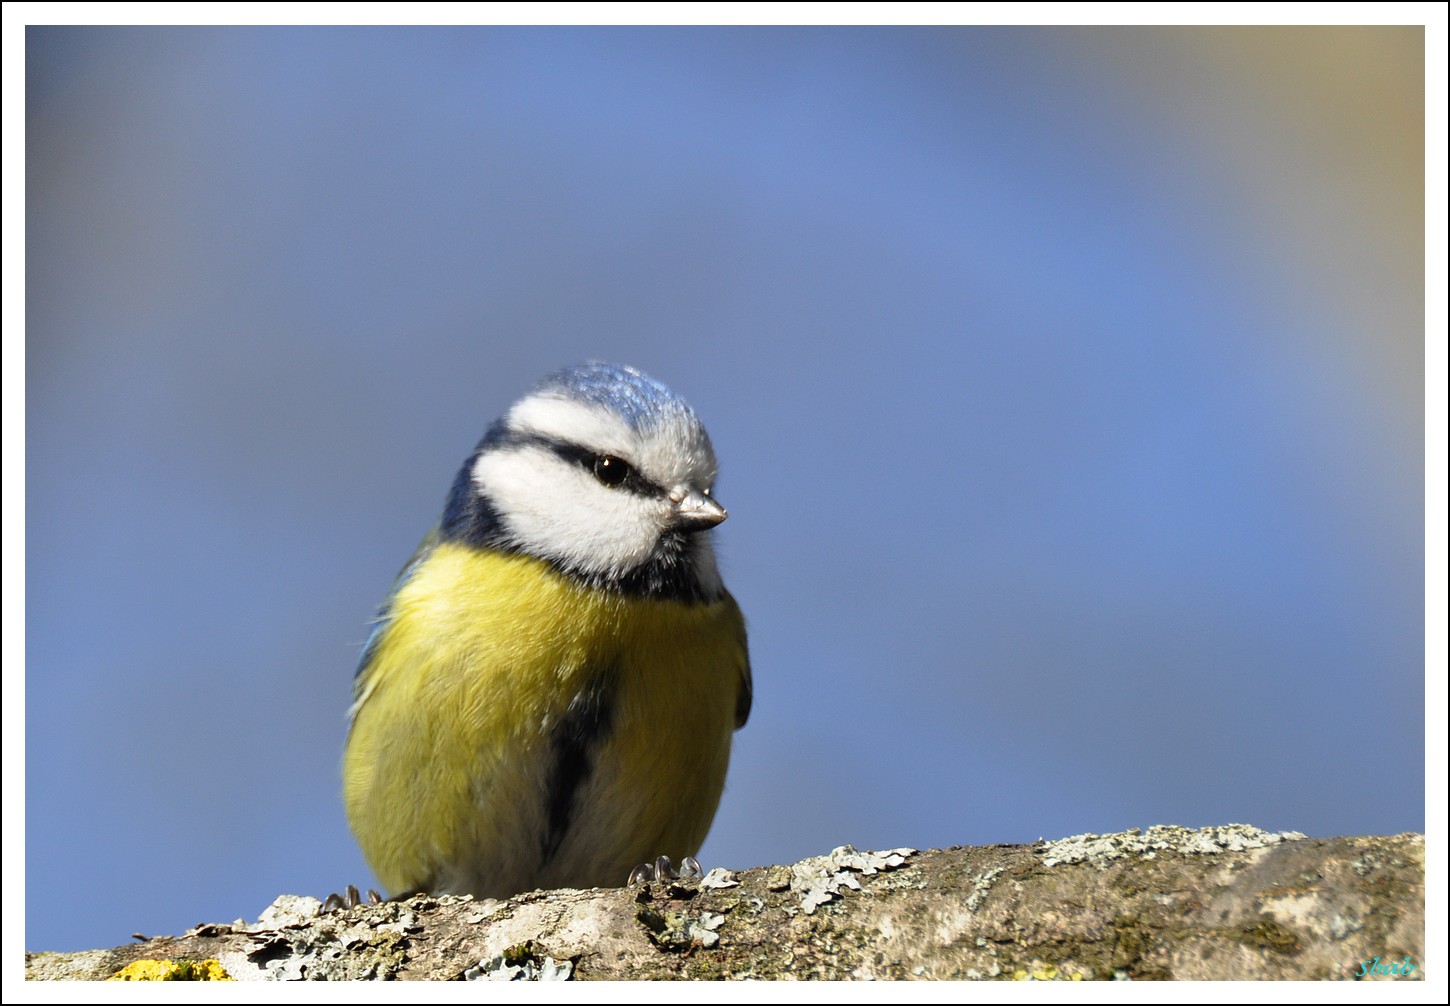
1067, 383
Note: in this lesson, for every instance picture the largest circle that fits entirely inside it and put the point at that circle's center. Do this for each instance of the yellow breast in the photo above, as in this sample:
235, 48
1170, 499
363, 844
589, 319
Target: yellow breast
515, 730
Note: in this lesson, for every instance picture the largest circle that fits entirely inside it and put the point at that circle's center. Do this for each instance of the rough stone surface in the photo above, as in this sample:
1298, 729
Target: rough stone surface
1172, 903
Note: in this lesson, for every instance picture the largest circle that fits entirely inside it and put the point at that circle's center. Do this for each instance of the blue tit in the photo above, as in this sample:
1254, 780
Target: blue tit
548, 697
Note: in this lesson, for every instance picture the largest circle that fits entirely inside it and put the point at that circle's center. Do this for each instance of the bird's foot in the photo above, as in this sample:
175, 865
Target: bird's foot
351, 898
662, 869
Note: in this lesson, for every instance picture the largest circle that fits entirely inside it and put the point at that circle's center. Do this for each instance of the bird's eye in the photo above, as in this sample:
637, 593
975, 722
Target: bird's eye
610, 470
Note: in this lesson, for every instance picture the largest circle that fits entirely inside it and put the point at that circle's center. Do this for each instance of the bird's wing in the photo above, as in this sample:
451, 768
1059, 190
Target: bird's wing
746, 694
364, 680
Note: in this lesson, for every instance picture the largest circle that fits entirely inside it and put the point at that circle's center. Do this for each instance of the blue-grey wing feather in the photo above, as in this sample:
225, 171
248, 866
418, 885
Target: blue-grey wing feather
384, 616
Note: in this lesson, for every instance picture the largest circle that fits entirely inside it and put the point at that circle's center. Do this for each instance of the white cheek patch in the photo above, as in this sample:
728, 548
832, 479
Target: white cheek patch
553, 508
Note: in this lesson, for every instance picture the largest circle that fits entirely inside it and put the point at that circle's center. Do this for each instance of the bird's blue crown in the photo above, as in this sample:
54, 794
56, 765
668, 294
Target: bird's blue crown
639, 399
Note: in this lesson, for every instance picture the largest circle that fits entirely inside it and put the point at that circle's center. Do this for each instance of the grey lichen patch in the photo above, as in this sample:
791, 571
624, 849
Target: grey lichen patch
1340, 926
982, 884
287, 910
366, 943
522, 963
1373, 860
821, 878
678, 931
718, 879
1102, 849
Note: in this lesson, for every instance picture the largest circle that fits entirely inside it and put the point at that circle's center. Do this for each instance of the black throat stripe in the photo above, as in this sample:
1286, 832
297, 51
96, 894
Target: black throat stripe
573, 741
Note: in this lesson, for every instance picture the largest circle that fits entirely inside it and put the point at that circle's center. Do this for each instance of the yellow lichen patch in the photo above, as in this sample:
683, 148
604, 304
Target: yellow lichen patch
1046, 973
172, 971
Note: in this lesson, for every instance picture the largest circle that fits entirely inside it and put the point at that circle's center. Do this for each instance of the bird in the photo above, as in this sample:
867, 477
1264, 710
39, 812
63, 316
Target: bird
548, 697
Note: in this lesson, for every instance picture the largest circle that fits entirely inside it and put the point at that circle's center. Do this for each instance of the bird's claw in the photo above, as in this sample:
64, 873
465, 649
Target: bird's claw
662, 869
351, 898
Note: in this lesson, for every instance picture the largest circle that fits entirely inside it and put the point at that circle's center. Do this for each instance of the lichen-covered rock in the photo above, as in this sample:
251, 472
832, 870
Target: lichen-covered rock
1171, 903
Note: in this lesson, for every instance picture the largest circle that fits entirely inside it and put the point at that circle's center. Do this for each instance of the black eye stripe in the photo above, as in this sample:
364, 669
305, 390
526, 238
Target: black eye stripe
626, 476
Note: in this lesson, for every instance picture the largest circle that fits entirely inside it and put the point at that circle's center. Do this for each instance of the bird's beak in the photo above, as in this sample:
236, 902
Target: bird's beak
694, 511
